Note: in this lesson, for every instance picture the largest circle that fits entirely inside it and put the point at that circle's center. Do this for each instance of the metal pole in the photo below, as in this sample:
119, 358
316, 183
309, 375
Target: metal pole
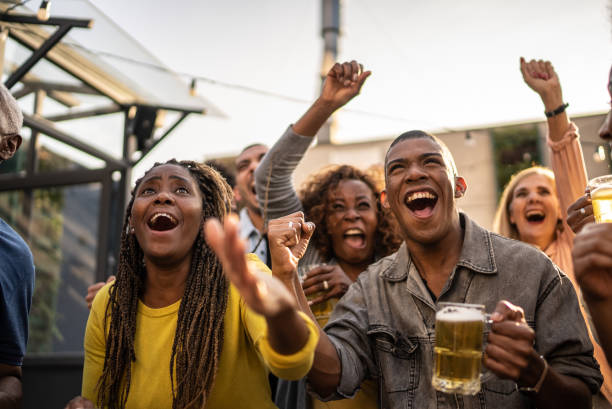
330, 31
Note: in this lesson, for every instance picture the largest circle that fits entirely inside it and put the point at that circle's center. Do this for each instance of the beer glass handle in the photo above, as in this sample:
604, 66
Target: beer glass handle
485, 374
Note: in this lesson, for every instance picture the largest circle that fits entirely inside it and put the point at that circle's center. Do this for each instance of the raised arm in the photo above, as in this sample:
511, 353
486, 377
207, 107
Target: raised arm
273, 177
566, 153
287, 246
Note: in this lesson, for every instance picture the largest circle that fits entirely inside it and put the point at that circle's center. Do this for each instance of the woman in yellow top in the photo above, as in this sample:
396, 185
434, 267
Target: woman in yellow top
171, 331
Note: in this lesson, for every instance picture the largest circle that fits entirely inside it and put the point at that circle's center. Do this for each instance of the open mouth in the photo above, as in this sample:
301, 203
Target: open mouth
535, 216
421, 203
162, 222
355, 238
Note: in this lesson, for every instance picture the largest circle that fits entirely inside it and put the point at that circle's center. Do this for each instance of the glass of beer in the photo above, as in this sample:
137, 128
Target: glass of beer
458, 348
322, 311
601, 196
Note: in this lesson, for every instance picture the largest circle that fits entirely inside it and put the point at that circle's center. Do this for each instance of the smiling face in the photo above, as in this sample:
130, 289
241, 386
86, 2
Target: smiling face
534, 210
351, 221
421, 190
246, 163
166, 214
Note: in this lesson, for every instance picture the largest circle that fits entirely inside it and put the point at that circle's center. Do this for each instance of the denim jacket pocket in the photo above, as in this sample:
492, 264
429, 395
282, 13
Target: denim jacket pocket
398, 359
500, 386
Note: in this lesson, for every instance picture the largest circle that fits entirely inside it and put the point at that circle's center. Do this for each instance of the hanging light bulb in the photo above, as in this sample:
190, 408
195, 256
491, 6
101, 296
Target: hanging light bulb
192, 87
600, 154
44, 10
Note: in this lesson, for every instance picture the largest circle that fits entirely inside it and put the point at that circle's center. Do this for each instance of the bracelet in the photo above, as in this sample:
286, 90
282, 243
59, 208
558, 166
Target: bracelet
556, 111
536, 388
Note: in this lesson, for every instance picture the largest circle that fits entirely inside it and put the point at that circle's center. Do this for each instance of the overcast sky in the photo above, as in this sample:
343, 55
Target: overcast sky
436, 64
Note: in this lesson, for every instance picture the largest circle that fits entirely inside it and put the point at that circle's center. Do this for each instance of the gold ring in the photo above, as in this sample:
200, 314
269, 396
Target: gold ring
325, 285
582, 211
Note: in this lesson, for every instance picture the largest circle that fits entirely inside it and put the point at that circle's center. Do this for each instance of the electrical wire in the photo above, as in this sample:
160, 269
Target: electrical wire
14, 6
229, 85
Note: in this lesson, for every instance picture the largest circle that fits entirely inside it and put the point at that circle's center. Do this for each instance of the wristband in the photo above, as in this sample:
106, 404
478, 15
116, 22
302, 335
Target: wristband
536, 388
556, 111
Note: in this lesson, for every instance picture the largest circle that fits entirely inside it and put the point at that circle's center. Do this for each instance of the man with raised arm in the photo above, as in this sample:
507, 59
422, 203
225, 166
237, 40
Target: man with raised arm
538, 346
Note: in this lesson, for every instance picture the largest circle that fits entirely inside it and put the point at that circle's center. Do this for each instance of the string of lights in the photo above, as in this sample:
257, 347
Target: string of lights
194, 79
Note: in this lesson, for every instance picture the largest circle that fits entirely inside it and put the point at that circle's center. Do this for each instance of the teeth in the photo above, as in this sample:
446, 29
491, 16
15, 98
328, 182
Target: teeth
353, 231
421, 195
535, 213
158, 215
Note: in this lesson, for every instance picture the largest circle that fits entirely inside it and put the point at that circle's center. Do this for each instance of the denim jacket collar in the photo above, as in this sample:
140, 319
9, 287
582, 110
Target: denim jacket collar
476, 253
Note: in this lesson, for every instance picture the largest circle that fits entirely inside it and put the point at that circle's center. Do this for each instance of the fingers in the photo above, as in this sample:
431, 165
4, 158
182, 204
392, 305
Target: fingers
593, 239
524, 69
580, 213
550, 71
509, 344
349, 73
318, 270
506, 311
287, 230
92, 290
512, 330
80, 402
593, 248
317, 283
536, 69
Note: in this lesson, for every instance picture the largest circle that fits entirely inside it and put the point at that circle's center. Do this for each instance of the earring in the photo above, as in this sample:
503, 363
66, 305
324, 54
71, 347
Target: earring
131, 229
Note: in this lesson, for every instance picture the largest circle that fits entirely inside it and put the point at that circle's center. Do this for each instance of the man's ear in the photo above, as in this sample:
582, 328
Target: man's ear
8, 146
460, 186
383, 199
237, 197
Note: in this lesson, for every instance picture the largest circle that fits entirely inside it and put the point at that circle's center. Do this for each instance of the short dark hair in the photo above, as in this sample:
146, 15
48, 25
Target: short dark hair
246, 148
417, 134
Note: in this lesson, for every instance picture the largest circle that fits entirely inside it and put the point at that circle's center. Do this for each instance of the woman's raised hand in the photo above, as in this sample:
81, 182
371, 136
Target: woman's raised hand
262, 292
541, 77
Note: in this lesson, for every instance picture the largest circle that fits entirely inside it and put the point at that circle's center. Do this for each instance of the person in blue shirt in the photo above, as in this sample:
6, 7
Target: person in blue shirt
16, 272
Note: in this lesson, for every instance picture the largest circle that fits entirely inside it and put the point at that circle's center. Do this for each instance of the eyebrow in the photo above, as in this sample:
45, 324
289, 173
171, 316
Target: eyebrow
421, 157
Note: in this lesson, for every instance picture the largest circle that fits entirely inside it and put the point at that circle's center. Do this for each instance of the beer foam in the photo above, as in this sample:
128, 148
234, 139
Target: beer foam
455, 314
603, 191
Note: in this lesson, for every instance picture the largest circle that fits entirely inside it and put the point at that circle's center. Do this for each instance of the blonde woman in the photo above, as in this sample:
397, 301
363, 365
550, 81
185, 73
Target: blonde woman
533, 206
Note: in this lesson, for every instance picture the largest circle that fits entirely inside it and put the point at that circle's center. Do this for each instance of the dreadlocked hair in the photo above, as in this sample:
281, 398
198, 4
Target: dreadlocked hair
199, 331
315, 200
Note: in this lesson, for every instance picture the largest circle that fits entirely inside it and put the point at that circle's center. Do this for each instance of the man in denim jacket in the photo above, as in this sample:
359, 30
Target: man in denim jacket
383, 327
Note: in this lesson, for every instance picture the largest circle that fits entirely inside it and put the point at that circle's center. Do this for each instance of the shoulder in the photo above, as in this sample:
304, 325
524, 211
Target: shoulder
506, 249
384, 267
516, 260
13, 247
17, 268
